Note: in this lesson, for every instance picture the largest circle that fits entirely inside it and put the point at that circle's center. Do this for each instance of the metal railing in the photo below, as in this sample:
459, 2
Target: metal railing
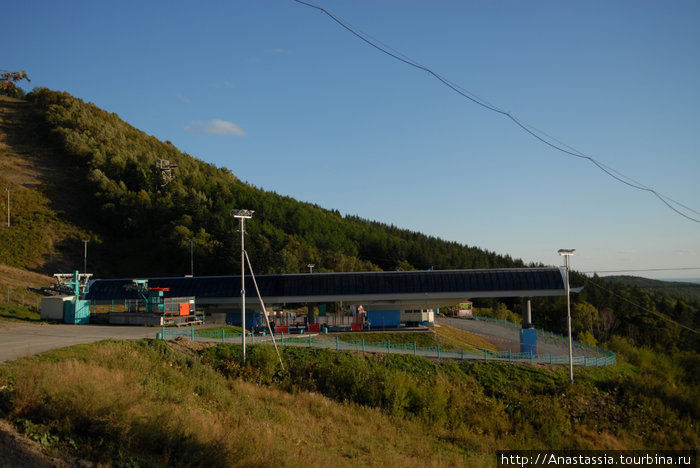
604, 358
552, 335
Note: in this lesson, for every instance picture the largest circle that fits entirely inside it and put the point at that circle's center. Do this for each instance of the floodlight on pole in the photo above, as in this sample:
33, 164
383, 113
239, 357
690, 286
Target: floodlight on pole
566, 253
85, 243
191, 257
311, 267
8, 190
242, 215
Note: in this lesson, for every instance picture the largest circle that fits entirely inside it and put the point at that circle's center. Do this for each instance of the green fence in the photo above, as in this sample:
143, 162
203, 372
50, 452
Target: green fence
547, 334
604, 357
20, 298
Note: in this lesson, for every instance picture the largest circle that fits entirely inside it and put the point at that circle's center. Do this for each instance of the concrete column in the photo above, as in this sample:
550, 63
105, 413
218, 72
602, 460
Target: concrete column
527, 312
311, 317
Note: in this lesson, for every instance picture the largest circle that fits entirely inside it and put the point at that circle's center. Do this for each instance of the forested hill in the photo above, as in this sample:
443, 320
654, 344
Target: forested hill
77, 172
676, 288
139, 223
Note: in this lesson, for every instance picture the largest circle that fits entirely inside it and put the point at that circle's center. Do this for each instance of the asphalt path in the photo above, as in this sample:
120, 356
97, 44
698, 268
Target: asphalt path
19, 339
506, 337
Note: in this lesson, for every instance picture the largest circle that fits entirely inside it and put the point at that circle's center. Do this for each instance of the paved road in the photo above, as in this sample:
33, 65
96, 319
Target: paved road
23, 339
506, 338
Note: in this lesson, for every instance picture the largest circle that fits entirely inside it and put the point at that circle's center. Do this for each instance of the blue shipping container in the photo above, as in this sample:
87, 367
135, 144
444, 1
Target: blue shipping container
384, 318
528, 341
251, 319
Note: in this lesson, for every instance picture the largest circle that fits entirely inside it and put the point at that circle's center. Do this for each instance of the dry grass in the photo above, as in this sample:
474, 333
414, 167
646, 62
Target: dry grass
115, 395
149, 403
39, 189
461, 338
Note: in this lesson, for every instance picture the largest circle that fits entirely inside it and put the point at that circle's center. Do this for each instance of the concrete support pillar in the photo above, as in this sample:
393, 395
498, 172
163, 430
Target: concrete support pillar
311, 317
527, 312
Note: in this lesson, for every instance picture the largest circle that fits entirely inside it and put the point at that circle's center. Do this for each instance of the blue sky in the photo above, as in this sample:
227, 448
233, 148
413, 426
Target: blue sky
291, 102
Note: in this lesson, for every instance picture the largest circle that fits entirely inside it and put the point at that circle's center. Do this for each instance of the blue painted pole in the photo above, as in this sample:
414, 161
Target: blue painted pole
223, 335
337, 347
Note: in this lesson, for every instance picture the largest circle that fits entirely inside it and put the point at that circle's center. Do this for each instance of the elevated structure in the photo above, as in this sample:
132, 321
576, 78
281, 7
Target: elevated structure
409, 289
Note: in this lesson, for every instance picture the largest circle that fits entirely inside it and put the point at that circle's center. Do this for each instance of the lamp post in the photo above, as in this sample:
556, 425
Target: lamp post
85, 243
191, 257
243, 215
566, 253
311, 267
8, 190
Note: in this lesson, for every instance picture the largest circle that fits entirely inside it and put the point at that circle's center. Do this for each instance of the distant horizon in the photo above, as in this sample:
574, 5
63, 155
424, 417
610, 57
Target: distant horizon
670, 280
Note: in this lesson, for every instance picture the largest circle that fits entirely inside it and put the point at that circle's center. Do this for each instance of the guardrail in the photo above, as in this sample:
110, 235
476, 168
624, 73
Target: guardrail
329, 342
547, 334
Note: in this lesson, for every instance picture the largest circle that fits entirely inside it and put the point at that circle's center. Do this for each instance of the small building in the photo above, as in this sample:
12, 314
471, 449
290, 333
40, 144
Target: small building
52, 307
66, 309
465, 309
417, 317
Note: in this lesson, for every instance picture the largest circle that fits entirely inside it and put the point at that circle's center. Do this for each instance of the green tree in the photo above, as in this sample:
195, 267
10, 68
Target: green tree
8, 82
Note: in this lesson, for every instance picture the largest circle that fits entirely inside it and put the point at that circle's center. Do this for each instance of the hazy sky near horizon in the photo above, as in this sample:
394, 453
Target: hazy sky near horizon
291, 102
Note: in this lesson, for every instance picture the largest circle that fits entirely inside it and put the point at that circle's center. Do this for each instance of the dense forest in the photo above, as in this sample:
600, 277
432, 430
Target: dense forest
151, 219
142, 220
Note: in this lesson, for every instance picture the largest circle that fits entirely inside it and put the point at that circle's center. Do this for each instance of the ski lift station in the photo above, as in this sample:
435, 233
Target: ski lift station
387, 299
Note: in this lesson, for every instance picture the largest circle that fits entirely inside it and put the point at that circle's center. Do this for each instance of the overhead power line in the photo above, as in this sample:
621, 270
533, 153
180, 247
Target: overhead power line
640, 307
530, 129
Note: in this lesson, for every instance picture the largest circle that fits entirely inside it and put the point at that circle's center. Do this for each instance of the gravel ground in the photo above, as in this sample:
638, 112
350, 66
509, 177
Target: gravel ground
505, 337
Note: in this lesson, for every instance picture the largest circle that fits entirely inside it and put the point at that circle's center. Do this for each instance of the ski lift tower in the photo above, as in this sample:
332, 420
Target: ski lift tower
165, 169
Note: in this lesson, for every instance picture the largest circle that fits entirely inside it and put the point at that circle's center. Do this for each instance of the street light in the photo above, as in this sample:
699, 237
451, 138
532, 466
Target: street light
85, 243
566, 253
8, 205
243, 215
311, 267
191, 257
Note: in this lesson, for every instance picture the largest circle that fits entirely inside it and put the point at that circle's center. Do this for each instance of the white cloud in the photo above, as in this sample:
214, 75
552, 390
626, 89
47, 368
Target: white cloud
215, 127
184, 99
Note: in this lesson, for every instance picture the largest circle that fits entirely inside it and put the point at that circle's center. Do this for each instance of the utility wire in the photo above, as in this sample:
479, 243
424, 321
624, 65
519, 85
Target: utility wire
658, 314
533, 131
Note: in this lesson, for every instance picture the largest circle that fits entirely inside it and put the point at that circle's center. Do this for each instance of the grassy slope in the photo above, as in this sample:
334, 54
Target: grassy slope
149, 404
168, 406
39, 237
37, 232
442, 335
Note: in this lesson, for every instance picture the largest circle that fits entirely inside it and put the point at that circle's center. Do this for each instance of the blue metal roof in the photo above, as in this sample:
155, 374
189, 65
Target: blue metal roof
343, 286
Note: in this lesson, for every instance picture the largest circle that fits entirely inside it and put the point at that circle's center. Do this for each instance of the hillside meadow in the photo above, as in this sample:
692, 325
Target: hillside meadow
154, 403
